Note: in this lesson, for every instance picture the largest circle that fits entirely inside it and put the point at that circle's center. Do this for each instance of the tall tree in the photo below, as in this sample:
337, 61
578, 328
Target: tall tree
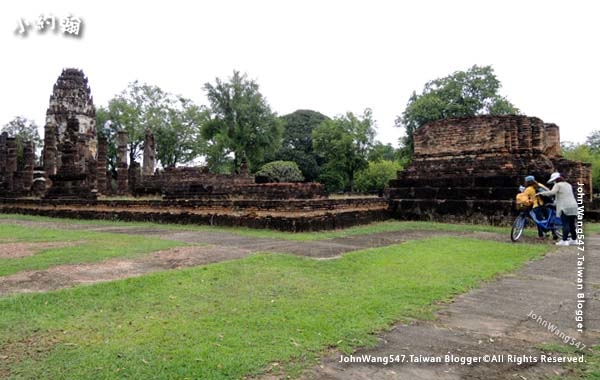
586, 152
241, 122
344, 143
135, 109
383, 152
23, 130
178, 139
174, 121
593, 141
463, 93
297, 144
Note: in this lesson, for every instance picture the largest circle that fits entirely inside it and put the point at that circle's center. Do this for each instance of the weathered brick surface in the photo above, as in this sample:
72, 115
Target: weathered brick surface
190, 182
236, 190
149, 155
474, 135
29, 156
102, 166
70, 181
285, 215
10, 181
122, 168
71, 98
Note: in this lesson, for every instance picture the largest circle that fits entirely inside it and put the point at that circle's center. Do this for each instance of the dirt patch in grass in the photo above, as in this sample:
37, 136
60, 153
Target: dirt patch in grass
15, 250
62, 276
32, 347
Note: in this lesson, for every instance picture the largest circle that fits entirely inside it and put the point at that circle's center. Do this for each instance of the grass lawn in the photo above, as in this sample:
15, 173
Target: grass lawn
86, 247
387, 226
239, 318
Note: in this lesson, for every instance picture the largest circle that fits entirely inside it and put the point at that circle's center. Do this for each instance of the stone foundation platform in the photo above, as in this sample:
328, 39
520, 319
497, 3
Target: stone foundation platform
292, 215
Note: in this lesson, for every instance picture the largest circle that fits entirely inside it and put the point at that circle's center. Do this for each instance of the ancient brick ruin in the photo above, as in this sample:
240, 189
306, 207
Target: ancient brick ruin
464, 170
470, 168
71, 98
149, 154
8, 165
71, 180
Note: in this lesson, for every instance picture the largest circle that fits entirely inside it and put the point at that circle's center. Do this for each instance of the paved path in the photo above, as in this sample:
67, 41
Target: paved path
490, 320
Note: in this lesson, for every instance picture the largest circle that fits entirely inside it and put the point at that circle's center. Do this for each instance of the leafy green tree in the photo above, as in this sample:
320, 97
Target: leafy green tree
585, 153
463, 93
174, 121
344, 143
216, 161
333, 179
377, 175
297, 145
135, 109
23, 130
241, 122
593, 141
281, 171
178, 139
383, 152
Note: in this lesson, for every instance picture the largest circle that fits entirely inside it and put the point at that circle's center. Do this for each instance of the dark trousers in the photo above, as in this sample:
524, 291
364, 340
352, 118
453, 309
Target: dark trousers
568, 222
540, 214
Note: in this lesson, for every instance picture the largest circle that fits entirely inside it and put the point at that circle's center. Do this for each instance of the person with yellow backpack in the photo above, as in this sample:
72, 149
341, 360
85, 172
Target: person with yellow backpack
532, 191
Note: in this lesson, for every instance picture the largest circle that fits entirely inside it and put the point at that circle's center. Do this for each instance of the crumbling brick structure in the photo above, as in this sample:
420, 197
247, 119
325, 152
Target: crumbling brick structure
70, 182
8, 164
71, 98
193, 182
29, 157
122, 168
102, 184
263, 191
15, 181
149, 155
470, 168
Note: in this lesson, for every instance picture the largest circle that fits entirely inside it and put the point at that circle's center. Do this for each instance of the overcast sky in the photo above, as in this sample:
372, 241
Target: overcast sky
329, 56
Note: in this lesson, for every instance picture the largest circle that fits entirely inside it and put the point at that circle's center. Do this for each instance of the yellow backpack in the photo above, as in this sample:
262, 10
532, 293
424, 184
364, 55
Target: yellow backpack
523, 201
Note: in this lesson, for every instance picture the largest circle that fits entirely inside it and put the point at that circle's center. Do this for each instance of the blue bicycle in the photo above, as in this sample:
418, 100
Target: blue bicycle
552, 223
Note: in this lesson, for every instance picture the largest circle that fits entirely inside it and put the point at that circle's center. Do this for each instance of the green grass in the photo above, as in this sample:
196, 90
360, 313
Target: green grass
591, 228
87, 247
590, 370
387, 226
237, 318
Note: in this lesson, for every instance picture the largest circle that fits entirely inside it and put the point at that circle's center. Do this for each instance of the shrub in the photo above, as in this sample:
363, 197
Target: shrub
377, 175
281, 171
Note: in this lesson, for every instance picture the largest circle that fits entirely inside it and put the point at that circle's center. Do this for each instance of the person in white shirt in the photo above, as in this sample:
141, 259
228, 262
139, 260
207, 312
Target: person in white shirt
566, 207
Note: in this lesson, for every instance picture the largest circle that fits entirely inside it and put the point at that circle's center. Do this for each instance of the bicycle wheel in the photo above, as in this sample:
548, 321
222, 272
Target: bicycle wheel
517, 228
558, 232
557, 227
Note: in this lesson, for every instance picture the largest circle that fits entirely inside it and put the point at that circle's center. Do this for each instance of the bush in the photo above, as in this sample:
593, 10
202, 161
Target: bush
281, 171
333, 181
377, 175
